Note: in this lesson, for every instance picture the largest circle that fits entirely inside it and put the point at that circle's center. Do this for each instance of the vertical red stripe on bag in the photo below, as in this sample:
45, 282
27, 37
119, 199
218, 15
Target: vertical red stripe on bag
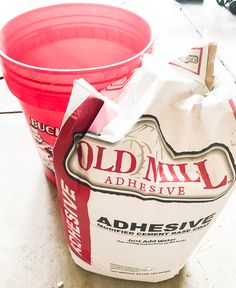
73, 195
82, 205
73, 200
92, 114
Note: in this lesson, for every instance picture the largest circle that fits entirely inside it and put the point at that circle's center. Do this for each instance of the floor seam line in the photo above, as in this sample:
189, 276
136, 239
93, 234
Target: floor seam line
11, 112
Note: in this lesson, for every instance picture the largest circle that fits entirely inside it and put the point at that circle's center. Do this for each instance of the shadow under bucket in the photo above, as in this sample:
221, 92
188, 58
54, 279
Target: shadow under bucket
44, 50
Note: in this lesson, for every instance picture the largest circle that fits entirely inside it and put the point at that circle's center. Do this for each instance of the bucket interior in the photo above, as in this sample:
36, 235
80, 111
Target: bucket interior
75, 36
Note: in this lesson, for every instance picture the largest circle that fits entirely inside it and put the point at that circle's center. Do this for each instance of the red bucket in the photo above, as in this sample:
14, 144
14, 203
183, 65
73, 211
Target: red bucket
44, 50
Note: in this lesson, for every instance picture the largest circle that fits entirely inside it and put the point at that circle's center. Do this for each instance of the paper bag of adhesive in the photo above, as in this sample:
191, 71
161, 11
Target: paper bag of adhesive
144, 167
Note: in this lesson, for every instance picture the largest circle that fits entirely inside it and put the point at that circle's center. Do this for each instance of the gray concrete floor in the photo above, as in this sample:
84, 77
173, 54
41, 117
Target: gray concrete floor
33, 251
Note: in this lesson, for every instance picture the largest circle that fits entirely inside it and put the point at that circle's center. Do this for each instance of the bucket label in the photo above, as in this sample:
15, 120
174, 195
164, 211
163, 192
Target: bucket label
52, 131
42, 133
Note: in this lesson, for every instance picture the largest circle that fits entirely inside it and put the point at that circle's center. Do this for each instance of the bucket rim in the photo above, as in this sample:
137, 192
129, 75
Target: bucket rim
90, 69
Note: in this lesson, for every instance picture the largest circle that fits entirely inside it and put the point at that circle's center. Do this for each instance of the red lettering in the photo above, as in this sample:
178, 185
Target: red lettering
160, 190
152, 188
132, 183
154, 168
158, 168
143, 187
121, 155
85, 155
181, 190
182, 168
170, 190
99, 160
206, 178
108, 181
120, 181
172, 172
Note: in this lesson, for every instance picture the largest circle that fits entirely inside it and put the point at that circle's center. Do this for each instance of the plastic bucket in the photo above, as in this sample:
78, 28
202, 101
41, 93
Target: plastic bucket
44, 50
